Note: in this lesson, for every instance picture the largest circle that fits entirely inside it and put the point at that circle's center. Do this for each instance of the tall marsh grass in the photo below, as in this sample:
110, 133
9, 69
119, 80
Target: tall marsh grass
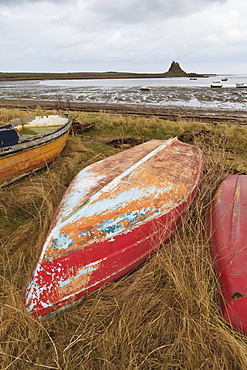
165, 314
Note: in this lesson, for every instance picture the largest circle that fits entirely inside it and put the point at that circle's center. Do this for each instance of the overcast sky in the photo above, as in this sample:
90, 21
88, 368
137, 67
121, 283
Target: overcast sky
204, 36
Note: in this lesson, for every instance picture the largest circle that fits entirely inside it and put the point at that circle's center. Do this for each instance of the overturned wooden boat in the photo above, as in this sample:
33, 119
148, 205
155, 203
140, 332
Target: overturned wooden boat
113, 216
228, 235
27, 144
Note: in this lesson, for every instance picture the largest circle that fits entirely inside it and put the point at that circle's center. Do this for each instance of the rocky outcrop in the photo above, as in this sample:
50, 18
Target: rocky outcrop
176, 70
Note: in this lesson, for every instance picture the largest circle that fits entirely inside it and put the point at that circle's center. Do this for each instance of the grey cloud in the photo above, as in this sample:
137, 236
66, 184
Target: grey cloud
132, 11
20, 2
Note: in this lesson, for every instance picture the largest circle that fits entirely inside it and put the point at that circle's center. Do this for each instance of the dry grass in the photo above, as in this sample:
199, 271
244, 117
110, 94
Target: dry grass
164, 315
8, 114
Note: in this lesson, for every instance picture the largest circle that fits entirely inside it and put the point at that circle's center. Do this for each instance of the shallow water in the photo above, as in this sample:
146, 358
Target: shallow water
164, 91
26, 132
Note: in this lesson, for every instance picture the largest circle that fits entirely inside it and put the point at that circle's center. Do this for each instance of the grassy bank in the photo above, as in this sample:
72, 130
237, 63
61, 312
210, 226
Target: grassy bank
165, 314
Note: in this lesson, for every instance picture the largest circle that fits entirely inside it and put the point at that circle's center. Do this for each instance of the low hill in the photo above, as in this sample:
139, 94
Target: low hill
174, 71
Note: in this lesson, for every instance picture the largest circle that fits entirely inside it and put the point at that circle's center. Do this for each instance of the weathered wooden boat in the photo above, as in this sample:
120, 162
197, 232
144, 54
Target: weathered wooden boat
228, 234
113, 216
27, 144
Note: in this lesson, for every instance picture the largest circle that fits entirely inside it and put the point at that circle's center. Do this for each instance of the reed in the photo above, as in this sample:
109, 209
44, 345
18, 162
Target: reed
163, 315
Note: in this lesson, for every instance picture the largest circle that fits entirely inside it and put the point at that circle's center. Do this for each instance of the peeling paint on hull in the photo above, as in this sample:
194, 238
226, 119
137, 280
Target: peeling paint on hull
227, 222
26, 155
113, 216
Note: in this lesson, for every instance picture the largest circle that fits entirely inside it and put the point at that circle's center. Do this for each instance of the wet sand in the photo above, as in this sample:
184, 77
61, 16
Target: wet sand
212, 116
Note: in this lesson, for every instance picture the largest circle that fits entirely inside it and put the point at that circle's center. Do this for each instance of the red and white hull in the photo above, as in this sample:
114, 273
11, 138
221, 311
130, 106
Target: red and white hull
113, 216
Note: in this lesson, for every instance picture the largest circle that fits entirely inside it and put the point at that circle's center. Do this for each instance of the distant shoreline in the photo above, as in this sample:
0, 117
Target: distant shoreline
212, 116
22, 76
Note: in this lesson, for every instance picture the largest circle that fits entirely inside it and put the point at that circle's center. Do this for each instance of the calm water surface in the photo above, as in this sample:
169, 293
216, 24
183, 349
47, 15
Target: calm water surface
164, 91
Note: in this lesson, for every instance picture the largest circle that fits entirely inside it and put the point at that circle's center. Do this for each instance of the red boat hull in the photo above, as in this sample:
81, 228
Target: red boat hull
228, 235
114, 215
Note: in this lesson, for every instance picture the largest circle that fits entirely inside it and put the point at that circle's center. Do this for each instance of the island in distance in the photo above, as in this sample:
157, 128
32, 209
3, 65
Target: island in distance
174, 71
